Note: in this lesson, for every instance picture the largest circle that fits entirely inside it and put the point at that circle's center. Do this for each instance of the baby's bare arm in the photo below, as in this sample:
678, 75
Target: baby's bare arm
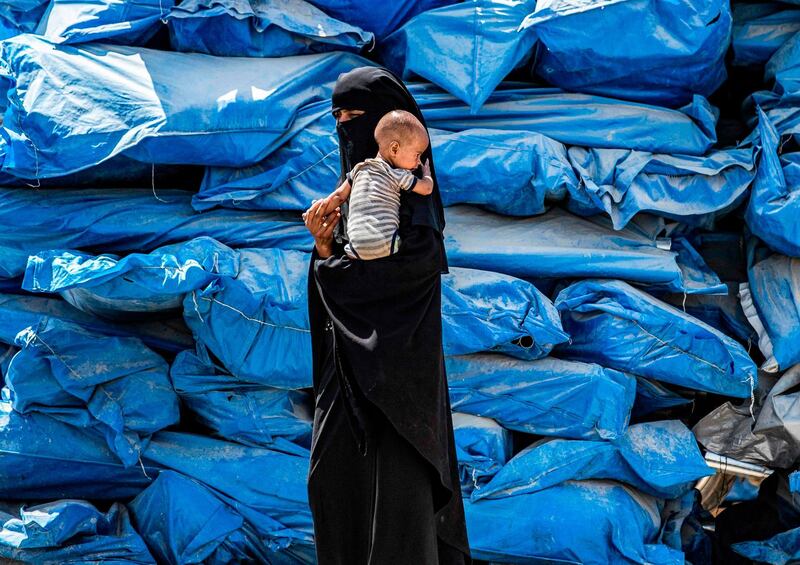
424, 185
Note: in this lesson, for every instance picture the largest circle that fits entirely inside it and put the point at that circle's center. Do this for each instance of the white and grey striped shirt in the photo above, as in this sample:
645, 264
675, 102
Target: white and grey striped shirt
373, 215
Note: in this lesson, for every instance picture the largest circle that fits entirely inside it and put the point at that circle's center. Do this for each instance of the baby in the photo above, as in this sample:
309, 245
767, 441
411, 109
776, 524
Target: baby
374, 186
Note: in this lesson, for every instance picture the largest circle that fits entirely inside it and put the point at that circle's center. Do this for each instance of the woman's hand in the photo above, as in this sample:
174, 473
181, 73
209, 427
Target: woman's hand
320, 219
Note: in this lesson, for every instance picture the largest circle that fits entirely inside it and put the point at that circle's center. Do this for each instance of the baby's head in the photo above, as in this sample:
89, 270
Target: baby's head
402, 139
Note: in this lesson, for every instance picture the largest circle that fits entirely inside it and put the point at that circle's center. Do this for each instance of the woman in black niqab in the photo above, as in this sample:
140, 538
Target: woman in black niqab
383, 479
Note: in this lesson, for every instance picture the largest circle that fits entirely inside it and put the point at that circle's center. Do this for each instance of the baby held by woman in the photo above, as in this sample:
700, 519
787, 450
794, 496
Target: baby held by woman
374, 186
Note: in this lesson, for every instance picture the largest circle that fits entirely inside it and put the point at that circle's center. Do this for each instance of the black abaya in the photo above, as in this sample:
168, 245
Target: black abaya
383, 480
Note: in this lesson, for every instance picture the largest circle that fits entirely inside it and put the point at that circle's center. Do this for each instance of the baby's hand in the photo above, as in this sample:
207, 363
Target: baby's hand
426, 168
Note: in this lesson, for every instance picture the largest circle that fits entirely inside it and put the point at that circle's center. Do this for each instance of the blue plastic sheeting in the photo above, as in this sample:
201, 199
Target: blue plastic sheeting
775, 198
780, 66
671, 51
482, 448
528, 167
560, 245
775, 292
257, 324
467, 48
579, 119
547, 397
760, 29
114, 385
179, 108
723, 312
268, 488
381, 18
588, 522
652, 396
71, 531
780, 549
658, 458
20, 16
209, 530
485, 311
239, 411
618, 326
42, 458
18, 312
692, 190
109, 286
126, 23
128, 220
260, 28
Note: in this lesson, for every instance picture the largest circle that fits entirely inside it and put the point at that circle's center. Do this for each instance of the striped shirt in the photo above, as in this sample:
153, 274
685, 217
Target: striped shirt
374, 208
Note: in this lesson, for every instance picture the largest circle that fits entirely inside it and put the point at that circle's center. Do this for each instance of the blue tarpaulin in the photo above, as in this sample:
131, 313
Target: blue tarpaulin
578, 119
20, 16
658, 458
128, 220
125, 23
114, 385
209, 530
260, 28
692, 190
759, 29
652, 396
670, 51
616, 325
42, 458
482, 448
18, 312
485, 311
111, 286
775, 199
546, 397
156, 106
510, 172
381, 18
256, 324
467, 48
588, 522
774, 289
239, 411
70, 531
560, 245
268, 488
780, 549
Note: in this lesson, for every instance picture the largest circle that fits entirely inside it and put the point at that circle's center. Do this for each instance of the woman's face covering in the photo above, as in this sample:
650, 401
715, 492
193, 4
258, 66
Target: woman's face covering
344, 115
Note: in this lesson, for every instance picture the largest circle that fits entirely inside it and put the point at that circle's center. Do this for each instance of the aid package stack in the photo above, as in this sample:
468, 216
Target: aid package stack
620, 309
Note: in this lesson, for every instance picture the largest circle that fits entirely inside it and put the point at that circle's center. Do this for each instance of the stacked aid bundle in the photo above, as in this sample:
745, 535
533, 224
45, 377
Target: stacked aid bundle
621, 305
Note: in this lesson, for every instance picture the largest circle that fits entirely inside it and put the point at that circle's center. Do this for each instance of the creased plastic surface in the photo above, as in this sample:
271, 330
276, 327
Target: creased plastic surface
467, 48
71, 531
178, 107
618, 326
114, 385
482, 448
546, 397
669, 51
260, 28
591, 522
126, 23
658, 458
126, 220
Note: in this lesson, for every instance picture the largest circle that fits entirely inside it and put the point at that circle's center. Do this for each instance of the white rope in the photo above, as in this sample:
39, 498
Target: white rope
153, 184
257, 321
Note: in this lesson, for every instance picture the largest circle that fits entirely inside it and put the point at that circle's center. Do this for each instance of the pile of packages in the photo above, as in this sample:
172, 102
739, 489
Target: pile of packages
621, 319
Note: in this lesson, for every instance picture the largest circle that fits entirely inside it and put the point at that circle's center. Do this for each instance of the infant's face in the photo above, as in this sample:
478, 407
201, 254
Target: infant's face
407, 154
